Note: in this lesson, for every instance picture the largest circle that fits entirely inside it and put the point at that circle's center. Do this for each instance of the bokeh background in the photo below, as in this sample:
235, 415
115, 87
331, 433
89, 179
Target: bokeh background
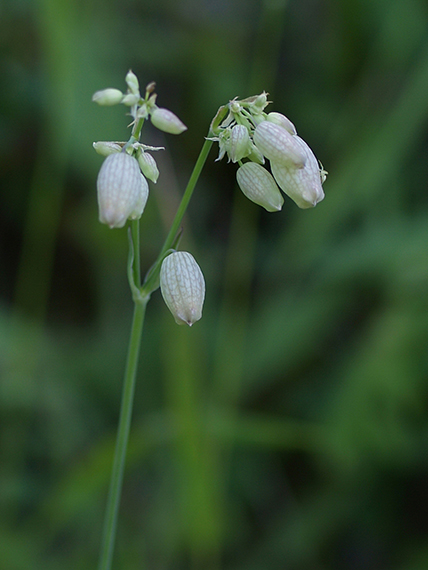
288, 429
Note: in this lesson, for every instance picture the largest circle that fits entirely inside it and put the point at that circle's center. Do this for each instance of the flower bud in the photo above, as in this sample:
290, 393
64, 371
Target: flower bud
150, 87
255, 103
260, 103
141, 202
282, 121
148, 166
277, 144
132, 83
166, 121
183, 287
107, 97
131, 99
119, 189
303, 185
259, 186
240, 145
105, 148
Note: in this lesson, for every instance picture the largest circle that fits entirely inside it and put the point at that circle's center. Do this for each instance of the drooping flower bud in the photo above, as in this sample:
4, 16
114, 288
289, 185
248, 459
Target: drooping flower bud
120, 190
183, 287
166, 121
282, 121
105, 148
148, 166
303, 185
240, 144
107, 97
259, 186
277, 144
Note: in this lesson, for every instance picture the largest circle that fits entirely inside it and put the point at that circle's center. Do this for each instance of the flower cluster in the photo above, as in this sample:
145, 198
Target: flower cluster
141, 107
122, 181
123, 192
245, 131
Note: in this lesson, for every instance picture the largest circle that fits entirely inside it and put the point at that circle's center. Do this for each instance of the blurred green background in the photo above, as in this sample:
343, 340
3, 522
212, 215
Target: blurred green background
287, 430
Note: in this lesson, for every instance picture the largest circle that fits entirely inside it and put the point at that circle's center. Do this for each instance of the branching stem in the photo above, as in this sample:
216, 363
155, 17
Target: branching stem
140, 303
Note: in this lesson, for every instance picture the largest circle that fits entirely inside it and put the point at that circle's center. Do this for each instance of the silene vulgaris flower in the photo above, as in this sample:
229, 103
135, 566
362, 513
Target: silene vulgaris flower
253, 138
122, 190
182, 286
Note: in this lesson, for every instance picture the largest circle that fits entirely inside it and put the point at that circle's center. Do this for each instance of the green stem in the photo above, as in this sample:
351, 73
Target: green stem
203, 155
110, 521
136, 131
149, 285
135, 233
113, 501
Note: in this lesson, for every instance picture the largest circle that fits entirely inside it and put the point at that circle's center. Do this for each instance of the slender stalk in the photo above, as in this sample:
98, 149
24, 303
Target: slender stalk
203, 155
151, 281
141, 300
110, 521
135, 233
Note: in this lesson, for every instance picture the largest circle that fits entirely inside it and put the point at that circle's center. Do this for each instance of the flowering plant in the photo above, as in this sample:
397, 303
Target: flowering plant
248, 136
